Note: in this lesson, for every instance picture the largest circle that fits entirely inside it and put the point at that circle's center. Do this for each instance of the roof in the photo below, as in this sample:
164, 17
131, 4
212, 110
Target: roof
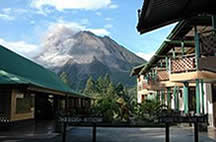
179, 34
15, 69
135, 70
157, 13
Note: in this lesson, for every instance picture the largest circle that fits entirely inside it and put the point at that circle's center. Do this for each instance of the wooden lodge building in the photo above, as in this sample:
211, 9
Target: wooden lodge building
28, 91
182, 73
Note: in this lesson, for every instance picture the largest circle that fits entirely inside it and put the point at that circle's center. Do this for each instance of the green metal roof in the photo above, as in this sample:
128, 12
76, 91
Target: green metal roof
15, 69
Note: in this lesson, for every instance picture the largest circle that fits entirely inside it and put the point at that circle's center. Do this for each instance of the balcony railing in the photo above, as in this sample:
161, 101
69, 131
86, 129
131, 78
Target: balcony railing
208, 43
162, 74
183, 64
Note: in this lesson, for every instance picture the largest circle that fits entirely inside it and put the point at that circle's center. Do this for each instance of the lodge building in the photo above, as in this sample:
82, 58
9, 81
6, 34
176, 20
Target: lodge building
182, 72
28, 91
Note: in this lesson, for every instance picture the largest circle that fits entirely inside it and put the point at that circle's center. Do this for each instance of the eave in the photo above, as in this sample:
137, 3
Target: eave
158, 13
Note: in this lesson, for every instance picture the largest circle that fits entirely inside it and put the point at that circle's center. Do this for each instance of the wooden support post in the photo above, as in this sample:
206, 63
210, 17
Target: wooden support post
161, 63
214, 22
182, 46
175, 97
167, 133
167, 63
157, 96
186, 97
162, 96
94, 133
197, 97
196, 132
173, 53
197, 47
169, 98
203, 100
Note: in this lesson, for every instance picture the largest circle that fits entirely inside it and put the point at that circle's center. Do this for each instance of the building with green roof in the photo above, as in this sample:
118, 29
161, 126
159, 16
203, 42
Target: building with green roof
30, 91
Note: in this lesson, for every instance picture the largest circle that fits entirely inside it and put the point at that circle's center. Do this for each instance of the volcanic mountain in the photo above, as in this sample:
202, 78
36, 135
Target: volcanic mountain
83, 54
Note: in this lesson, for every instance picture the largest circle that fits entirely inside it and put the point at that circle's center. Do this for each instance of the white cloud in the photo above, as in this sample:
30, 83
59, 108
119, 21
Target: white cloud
108, 26
32, 22
113, 6
98, 13
6, 17
73, 4
21, 47
146, 56
108, 19
84, 21
76, 27
6, 10
100, 32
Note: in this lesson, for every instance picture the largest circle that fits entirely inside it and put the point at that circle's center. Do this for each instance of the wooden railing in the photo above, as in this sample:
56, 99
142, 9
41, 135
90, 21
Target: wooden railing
162, 74
208, 43
183, 64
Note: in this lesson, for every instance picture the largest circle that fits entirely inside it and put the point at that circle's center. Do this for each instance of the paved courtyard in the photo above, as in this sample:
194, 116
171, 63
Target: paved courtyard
117, 135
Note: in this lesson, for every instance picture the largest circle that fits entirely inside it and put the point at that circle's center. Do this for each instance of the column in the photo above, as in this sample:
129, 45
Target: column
186, 97
175, 92
197, 47
202, 96
162, 97
167, 63
169, 98
157, 96
197, 97
214, 22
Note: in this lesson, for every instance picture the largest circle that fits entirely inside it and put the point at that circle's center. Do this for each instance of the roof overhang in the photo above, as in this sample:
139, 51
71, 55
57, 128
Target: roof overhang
174, 38
158, 13
136, 70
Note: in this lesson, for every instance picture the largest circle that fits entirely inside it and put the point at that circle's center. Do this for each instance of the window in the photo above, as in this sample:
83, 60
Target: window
24, 103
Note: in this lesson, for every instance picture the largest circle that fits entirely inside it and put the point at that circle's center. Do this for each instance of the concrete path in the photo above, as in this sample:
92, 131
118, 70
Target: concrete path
122, 135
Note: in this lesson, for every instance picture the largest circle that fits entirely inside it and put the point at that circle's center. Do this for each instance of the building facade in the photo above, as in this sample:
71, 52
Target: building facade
183, 72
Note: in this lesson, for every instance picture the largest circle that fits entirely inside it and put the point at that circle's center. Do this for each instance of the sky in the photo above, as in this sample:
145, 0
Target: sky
25, 23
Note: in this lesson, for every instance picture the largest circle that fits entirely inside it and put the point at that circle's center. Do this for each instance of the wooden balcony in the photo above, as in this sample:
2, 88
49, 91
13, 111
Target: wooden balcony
162, 74
185, 69
184, 64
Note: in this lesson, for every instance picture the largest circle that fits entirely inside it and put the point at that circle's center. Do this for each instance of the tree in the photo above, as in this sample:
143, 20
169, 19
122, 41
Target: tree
100, 85
107, 80
90, 87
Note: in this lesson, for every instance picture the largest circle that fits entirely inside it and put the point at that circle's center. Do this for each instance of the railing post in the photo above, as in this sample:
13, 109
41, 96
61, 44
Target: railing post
94, 133
196, 132
64, 131
167, 133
